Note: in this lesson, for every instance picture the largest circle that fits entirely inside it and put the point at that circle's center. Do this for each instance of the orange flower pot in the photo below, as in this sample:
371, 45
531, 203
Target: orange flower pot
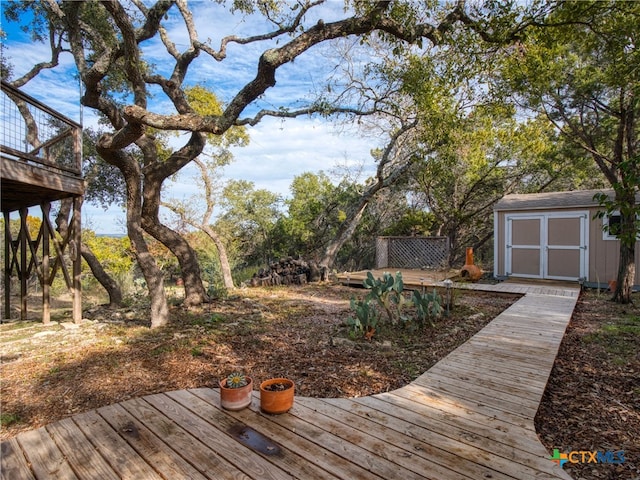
235, 398
276, 402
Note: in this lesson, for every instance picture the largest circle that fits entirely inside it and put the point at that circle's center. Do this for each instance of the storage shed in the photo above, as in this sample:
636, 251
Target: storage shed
556, 236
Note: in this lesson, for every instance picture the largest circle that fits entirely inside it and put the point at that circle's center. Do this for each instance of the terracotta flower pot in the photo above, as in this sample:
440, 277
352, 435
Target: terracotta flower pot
235, 398
276, 401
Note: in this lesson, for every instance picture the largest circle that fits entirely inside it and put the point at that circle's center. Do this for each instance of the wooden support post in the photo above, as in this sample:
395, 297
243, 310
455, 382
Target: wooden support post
46, 283
7, 265
76, 257
24, 294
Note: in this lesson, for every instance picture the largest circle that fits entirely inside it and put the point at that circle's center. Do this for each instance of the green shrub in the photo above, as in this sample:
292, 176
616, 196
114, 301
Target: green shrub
366, 319
428, 306
386, 294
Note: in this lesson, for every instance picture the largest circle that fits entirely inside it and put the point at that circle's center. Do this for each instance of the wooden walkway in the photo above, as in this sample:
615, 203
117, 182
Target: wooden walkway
468, 417
426, 278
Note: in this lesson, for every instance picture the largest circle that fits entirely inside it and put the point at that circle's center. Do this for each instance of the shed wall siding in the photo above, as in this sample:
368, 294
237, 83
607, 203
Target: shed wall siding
603, 254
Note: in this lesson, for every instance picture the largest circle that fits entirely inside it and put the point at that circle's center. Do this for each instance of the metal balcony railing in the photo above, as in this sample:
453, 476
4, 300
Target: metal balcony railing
35, 134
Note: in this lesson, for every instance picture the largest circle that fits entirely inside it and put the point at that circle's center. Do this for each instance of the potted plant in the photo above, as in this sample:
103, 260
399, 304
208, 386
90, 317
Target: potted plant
235, 391
276, 395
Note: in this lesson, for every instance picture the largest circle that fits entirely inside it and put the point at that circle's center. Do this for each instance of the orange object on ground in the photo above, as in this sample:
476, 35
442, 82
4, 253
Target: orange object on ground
470, 271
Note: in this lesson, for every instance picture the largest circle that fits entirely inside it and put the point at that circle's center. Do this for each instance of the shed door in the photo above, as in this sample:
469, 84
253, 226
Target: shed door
549, 245
524, 246
566, 246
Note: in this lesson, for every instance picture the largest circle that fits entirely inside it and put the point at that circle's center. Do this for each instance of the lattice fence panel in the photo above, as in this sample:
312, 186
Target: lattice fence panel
412, 252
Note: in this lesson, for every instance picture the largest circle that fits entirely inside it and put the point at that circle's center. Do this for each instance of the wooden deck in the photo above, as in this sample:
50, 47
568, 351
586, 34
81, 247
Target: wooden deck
468, 417
427, 278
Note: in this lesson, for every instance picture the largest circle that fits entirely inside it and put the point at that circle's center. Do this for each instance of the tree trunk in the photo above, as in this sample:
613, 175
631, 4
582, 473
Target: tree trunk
108, 283
227, 279
626, 275
627, 265
194, 292
454, 253
386, 176
153, 275
344, 233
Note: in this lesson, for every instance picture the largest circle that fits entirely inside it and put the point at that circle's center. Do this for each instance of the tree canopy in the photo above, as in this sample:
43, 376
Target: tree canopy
107, 40
581, 71
448, 85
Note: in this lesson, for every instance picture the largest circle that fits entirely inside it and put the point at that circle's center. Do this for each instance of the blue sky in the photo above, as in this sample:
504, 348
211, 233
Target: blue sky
278, 150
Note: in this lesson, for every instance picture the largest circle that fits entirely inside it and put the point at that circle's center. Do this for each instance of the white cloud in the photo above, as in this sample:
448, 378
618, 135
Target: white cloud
278, 151
59, 88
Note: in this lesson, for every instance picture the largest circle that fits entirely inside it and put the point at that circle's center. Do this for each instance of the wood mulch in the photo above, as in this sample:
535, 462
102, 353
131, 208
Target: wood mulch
592, 400
50, 372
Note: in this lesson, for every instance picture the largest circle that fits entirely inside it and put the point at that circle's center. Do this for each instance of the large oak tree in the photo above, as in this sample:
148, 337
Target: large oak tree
107, 41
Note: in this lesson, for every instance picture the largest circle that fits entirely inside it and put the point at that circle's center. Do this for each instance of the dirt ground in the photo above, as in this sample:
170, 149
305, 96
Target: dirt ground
48, 372
592, 400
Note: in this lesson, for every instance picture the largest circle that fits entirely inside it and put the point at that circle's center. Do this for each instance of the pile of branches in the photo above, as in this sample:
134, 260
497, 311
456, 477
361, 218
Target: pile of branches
288, 271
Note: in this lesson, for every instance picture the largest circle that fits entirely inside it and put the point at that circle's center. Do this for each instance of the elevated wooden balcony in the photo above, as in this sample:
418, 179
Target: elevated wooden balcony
40, 162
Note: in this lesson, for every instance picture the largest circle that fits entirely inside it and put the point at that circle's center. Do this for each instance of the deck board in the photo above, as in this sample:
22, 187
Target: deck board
291, 440
209, 463
12, 462
155, 451
423, 435
469, 417
75, 446
418, 446
46, 460
125, 461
